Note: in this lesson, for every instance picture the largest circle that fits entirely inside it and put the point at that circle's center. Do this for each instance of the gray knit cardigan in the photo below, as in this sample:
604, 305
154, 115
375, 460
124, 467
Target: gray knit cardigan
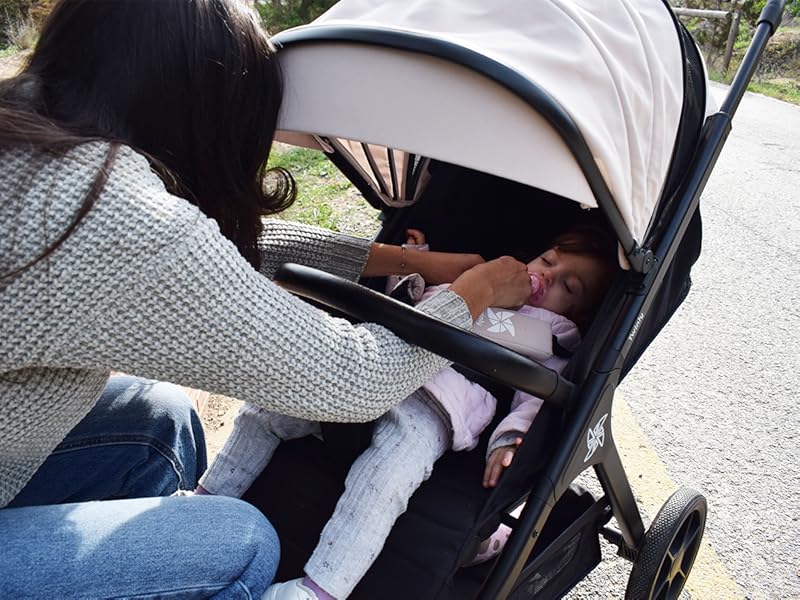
147, 285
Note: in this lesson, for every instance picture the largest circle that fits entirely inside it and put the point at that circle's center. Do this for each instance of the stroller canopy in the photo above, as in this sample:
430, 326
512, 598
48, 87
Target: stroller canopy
581, 98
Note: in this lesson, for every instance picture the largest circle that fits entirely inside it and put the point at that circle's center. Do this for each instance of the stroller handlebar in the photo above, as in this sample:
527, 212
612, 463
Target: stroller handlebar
772, 13
462, 347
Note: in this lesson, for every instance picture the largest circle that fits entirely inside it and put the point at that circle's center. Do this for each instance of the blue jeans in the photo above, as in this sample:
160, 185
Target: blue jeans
142, 439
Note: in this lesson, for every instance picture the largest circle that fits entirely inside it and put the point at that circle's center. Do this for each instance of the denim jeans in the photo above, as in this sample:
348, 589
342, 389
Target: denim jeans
142, 440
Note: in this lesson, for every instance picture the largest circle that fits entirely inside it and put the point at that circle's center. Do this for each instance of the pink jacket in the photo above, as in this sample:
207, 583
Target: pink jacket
471, 408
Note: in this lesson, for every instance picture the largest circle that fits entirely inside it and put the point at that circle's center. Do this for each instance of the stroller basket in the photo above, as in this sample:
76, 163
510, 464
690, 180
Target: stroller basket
565, 560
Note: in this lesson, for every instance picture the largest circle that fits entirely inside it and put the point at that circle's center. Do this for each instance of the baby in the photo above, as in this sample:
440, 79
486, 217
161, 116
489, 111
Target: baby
568, 281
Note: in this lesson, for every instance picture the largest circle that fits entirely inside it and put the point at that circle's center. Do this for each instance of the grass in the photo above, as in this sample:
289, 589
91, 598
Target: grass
786, 89
21, 32
318, 185
325, 197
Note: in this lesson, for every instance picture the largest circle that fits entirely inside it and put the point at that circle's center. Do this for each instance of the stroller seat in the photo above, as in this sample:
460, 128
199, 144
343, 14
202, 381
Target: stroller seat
446, 519
451, 513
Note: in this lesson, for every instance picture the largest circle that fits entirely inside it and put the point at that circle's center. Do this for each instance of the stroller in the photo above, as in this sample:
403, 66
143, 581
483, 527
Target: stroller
486, 124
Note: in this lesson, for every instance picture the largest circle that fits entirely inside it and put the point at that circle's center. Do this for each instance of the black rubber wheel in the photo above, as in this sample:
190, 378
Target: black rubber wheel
669, 549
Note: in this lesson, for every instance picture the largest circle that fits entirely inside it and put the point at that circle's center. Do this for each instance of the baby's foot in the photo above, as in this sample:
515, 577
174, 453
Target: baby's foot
289, 590
491, 546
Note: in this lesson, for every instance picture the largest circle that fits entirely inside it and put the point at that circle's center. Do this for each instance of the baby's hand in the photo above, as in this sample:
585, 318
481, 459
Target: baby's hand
499, 459
415, 237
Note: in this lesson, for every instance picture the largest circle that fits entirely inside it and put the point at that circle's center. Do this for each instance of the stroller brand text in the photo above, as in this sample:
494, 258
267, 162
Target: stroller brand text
636, 326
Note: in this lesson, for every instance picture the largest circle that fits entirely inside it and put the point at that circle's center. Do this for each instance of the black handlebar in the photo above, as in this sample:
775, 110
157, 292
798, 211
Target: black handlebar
462, 347
768, 23
772, 13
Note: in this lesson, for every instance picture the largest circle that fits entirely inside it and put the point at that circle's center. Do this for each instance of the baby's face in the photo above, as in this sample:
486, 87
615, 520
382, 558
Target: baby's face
564, 283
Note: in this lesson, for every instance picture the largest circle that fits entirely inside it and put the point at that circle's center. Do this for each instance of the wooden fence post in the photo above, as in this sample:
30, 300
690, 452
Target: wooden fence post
733, 32
732, 35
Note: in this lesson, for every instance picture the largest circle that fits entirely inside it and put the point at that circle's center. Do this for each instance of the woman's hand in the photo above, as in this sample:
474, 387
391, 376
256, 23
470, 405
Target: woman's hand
503, 282
498, 460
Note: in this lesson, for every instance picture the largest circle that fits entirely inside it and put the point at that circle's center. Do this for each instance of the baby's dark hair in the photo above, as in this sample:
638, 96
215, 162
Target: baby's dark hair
588, 240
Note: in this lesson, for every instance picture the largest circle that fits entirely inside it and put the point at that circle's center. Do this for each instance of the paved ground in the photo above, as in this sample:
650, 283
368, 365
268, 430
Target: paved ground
217, 413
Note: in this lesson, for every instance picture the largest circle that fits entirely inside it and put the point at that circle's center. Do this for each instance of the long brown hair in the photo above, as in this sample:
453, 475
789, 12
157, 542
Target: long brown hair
192, 84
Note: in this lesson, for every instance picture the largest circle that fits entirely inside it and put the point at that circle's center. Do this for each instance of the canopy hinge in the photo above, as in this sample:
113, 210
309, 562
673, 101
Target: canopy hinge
641, 259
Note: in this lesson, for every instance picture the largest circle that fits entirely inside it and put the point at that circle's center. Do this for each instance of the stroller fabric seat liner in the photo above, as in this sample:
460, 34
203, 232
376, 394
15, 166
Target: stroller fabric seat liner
615, 68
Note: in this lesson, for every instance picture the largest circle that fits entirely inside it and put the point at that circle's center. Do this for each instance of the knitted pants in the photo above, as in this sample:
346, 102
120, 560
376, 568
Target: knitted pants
406, 443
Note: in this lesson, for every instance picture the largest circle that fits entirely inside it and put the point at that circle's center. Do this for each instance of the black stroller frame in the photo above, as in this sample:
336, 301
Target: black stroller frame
648, 295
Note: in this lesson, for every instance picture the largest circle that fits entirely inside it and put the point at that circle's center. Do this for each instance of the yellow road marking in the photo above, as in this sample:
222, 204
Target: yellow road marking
652, 486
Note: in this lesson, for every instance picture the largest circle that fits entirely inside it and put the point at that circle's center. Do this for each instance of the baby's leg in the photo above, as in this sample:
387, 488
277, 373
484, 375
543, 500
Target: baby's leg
250, 446
407, 441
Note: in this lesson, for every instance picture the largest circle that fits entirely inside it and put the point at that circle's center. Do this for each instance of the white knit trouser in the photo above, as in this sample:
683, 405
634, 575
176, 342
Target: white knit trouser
406, 443
249, 448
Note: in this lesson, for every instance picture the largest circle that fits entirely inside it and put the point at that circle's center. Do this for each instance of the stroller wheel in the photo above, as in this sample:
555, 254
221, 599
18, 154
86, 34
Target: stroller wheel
669, 549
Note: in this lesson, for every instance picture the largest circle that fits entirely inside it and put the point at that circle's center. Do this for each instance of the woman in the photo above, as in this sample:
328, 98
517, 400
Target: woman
131, 195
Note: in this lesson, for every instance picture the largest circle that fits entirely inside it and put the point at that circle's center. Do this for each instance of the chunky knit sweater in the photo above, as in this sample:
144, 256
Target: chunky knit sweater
147, 285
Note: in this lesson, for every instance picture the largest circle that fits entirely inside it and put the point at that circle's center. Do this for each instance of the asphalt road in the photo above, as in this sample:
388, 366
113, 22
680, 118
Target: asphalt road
713, 403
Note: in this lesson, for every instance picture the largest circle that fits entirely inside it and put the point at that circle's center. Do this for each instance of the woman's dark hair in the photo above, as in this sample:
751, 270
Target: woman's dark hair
192, 84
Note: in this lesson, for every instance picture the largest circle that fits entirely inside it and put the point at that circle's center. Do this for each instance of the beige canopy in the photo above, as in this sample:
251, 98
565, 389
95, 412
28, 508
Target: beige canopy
393, 83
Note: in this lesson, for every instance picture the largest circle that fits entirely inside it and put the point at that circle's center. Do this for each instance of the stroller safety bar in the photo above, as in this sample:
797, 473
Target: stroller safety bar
462, 347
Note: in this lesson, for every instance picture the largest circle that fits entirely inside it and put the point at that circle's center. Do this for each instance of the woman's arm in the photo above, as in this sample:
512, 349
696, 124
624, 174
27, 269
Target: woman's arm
435, 267
284, 241
501, 283
147, 285
160, 293
351, 257
192, 311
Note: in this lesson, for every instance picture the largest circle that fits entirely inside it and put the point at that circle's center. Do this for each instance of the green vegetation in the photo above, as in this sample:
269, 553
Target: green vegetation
788, 91
278, 15
752, 9
324, 196
20, 21
318, 183
778, 74
21, 33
